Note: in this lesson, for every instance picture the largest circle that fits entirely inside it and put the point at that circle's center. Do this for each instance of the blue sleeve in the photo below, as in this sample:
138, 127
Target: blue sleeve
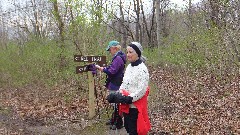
113, 68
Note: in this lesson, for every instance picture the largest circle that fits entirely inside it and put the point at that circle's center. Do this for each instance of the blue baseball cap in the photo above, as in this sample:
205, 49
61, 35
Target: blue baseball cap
112, 43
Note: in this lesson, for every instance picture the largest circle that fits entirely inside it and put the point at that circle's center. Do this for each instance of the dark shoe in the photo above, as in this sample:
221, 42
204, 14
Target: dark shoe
119, 127
114, 127
109, 122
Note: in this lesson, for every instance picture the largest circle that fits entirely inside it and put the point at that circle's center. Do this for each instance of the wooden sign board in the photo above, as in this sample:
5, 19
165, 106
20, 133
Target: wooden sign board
81, 69
100, 60
81, 58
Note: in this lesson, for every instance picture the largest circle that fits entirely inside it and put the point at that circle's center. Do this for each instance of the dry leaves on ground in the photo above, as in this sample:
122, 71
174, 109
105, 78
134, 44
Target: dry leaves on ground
201, 104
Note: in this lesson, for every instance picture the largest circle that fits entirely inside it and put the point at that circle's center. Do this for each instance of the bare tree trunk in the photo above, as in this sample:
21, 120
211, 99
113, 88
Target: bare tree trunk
124, 35
60, 26
59, 21
190, 16
3, 33
214, 12
145, 26
137, 26
74, 31
157, 6
36, 17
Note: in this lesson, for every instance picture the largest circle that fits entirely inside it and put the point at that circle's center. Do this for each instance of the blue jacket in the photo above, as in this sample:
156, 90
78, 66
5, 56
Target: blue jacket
115, 71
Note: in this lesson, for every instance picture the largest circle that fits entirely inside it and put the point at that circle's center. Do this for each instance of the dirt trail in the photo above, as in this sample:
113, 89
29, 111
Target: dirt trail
11, 124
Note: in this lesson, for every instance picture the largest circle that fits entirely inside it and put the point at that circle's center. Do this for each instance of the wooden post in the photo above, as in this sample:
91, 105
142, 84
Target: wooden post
80, 69
91, 100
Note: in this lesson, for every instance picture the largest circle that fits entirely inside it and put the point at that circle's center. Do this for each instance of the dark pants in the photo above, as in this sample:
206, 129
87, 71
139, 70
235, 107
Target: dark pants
130, 121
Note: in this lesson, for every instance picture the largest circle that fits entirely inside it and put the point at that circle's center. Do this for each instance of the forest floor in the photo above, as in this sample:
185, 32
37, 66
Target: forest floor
179, 103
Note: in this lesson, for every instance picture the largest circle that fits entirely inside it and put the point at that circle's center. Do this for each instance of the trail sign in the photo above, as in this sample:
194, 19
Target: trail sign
101, 61
81, 69
81, 58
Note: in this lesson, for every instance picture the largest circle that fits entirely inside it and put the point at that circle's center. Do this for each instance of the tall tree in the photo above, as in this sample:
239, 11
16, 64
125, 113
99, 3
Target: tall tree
190, 15
148, 23
36, 24
157, 6
215, 9
138, 30
59, 19
3, 33
123, 29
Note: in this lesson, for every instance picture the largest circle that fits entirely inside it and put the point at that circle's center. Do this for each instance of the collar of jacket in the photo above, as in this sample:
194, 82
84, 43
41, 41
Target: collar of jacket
136, 63
119, 53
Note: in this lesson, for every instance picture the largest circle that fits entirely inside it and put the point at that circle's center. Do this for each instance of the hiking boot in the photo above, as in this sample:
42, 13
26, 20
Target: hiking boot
114, 127
109, 122
119, 127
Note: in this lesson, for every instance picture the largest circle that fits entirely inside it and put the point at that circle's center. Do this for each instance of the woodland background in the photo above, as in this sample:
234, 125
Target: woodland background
193, 57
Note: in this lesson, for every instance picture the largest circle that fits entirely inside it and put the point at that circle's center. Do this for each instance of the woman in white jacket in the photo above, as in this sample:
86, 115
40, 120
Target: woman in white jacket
135, 83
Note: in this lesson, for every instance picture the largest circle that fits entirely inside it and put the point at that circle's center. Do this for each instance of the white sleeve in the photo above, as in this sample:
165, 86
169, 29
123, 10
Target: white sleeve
142, 84
124, 86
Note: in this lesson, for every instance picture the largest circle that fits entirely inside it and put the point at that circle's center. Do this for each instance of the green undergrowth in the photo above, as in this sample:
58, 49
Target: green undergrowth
43, 62
39, 63
203, 50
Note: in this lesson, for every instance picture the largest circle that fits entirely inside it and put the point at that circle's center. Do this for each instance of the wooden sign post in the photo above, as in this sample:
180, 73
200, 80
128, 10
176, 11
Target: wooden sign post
100, 60
91, 99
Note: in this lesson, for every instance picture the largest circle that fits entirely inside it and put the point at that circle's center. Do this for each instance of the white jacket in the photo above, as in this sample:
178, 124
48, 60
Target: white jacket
135, 81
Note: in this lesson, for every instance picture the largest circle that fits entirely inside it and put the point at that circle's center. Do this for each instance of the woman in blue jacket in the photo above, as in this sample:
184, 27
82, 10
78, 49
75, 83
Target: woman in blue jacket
115, 72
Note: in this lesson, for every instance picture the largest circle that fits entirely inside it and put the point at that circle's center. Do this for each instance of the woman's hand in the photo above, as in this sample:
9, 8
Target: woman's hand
99, 68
